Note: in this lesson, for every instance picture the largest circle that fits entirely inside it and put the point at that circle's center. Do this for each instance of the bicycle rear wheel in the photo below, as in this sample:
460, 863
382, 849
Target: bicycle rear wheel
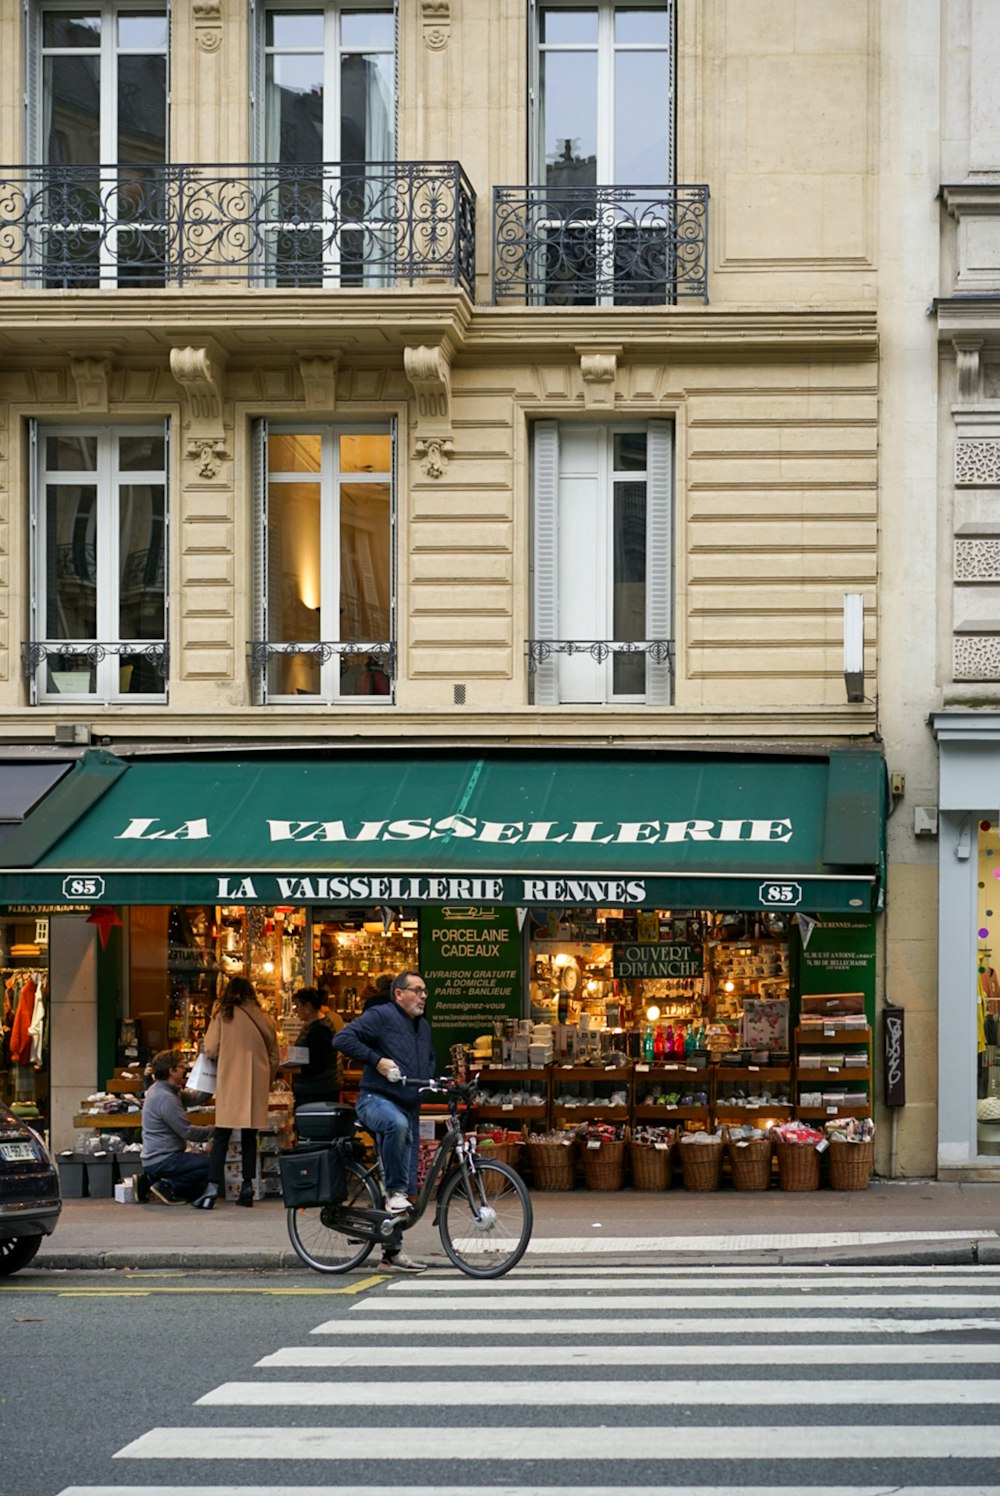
317, 1239
485, 1226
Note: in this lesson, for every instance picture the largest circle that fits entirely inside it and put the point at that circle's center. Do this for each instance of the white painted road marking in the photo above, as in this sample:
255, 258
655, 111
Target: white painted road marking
794, 1299
724, 1325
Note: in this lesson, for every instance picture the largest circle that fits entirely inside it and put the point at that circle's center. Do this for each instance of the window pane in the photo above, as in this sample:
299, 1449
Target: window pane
148, 32
294, 109
367, 29
641, 118
291, 452
629, 596
141, 454
569, 139
70, 561
71, 454
366, 453
62, 29
141, 580
629, 451
72, 88
558, 25
646, 25
294, 28
293, 563
364, 561
366, 108
142, 109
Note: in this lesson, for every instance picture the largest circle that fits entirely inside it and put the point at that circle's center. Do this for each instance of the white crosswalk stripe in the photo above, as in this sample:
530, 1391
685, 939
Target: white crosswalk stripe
697, 1382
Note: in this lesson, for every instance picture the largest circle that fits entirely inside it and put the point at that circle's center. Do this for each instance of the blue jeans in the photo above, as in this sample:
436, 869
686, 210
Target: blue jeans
187, 1172
398, 1138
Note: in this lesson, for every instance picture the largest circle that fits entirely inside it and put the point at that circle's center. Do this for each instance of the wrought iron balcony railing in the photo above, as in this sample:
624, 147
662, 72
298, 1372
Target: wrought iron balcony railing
78, 667
540, 651
367, 668
592, 246
328, 225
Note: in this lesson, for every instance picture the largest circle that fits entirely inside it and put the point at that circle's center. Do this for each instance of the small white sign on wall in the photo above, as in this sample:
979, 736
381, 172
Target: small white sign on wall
41, 932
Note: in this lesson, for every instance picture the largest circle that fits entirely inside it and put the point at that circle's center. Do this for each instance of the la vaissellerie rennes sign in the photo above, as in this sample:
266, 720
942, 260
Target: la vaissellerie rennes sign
470, 958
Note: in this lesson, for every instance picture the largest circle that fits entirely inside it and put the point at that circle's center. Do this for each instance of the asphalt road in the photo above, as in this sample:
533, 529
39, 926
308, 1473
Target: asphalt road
570, 1380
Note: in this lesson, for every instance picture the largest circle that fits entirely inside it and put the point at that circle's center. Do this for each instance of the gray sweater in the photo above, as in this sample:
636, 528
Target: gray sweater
165, 1127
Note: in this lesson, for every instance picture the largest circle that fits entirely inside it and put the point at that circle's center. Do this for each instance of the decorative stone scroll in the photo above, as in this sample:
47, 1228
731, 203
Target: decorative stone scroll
201, 386
599, 368
977, 463
207, 24
967, 365
319, 380
436, 16
977, 657
977, 560
429, 372
90, 376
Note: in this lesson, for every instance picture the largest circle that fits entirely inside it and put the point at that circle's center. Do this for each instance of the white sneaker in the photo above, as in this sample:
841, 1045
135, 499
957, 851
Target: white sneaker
402, 1264
397, 1203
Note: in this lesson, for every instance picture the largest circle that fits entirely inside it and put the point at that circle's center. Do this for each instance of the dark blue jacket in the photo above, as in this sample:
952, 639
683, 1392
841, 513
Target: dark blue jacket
385, 1032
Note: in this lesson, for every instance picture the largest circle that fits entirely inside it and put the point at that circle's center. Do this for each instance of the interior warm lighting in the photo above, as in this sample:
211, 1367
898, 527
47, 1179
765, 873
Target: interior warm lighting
373, 927
729, 986
269, 967
652, 1013
561, 959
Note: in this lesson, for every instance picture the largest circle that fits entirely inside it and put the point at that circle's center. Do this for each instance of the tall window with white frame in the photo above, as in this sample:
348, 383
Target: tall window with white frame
97, 133
601, 564
326, 124
325, 543
99, 624
603, 146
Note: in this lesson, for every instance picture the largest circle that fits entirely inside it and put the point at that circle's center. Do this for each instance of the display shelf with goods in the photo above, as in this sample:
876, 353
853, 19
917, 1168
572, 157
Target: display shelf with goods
516, 1095
671, 1093
752, 1093
25, 1018
194, 970
832, 1072
352, 948
590, 1092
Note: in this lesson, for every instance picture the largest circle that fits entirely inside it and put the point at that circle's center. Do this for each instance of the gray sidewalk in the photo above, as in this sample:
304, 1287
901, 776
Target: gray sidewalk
911, 1221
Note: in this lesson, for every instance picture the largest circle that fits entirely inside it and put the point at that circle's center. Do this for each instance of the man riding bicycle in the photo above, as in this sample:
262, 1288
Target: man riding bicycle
392, 1039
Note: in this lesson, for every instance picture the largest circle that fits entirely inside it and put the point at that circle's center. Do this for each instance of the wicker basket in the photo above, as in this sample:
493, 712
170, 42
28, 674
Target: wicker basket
502, 1153
750, 1163
701, 1165
798, 1165
651, 1166
604, 1167
851, 1164
553, 1165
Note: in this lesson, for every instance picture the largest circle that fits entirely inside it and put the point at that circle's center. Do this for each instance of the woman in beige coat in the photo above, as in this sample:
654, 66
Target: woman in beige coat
242, 1039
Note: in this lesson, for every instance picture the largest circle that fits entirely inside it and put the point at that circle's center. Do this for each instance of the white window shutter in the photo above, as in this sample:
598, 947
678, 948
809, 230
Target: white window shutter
34, 499
545, 608
659, 556
258, 680
32, 84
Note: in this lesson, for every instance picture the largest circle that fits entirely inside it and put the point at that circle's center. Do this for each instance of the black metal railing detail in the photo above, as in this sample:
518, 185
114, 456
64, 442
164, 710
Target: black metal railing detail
374, 663
146, 662
540, 651
589, 246
328, 224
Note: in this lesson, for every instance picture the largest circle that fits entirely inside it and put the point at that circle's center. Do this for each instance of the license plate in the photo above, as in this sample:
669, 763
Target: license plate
14, 1151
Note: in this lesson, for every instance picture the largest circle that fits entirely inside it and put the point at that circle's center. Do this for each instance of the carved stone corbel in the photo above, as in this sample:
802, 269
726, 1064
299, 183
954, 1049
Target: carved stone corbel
319, 381
207, 24
90, 376
429, 372
436, 17
200, 380
967, 352
599, 369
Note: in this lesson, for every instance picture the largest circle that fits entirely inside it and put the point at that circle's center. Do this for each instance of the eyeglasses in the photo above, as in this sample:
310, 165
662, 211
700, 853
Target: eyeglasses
421, 988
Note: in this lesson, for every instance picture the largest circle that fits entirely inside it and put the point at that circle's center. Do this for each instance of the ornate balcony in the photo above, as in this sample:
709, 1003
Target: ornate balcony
640, 671
327, 225
286, 669
600, 246
77, 668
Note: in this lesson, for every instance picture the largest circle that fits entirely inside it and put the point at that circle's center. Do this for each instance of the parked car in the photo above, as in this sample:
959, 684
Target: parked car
29, 1193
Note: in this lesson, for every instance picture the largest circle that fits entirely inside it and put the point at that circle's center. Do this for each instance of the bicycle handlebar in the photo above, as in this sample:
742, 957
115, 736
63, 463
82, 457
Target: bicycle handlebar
444, 1086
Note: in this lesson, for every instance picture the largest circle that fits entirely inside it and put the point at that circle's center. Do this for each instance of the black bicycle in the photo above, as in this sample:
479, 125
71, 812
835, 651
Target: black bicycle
482, 1209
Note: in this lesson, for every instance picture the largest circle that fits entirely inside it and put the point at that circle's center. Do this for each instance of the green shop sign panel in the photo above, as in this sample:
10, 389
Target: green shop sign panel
470, 957
838, 955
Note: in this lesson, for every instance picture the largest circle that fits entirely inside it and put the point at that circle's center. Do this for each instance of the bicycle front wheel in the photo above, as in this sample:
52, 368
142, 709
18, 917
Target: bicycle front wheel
485, 1222
319, 1241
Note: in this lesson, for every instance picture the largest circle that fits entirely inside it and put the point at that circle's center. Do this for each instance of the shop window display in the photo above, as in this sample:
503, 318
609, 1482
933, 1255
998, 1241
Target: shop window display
24, 1022
988, 996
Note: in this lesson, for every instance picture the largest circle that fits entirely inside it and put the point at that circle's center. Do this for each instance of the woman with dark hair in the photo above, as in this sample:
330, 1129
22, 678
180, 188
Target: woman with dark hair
242, 1039
318, 1079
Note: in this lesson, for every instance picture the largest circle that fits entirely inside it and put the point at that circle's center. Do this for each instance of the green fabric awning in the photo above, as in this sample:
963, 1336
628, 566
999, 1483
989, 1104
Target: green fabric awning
653, 829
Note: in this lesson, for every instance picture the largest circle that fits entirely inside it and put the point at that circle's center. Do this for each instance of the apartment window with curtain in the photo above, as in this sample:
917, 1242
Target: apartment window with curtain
602, 564
99, 595
97, 107
324, 563
326, 124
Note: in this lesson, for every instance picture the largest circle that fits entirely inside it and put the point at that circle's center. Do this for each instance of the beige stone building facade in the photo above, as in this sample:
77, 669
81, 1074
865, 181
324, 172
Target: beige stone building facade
445, 419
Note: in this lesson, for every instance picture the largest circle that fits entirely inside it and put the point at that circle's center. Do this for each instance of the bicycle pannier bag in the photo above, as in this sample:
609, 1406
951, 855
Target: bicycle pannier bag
315, 1178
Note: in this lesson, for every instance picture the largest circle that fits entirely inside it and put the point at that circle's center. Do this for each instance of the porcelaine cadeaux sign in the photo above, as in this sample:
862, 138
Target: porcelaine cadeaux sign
471, 961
